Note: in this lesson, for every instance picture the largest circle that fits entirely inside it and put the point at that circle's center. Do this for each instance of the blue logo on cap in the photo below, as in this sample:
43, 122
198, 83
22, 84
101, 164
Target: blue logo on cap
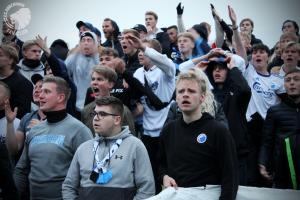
202, 137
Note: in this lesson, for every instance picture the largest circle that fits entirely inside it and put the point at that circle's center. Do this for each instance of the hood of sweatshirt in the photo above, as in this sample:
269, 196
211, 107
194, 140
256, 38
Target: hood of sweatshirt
125, 132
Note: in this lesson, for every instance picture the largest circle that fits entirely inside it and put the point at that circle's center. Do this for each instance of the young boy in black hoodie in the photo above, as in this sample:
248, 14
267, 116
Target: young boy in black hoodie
232, 91
195, 149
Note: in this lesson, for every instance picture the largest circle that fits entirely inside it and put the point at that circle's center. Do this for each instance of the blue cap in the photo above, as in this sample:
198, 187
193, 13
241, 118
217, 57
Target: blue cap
86, 24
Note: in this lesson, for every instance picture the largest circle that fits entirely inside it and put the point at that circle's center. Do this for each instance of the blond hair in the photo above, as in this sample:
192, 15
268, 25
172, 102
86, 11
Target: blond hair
194, 74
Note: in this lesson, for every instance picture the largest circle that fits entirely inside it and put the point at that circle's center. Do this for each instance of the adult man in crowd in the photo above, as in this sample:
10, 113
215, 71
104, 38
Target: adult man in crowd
247, 25
130, 51
103, 80
195, 149
265, 88
282, 121
49, 146
31, 62
153, 32
232, 90
111, 32
9, 31
277, 61
16, 82
79, 65
158, 74
86, 26
290, 55
173, 33
114, 165
142, 30
15, 138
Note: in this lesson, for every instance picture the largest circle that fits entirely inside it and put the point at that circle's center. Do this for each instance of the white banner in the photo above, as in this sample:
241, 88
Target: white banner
212, 192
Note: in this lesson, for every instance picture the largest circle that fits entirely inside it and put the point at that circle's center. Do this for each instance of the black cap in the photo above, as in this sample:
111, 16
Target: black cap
140, 27
36, 77
86, 24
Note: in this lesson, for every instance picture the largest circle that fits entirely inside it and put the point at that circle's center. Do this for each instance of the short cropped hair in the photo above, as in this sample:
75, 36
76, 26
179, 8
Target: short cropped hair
153, 44
291, 44
108, 51
11, 52
27, 44
261, 46
132, 31
295, 70
106, 72
62, 87
173, 26
115, 104
193, 75
187, 35
153, 14
290, 36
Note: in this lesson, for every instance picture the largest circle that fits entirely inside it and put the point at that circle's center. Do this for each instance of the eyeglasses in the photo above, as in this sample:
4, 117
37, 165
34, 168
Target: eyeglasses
102, 114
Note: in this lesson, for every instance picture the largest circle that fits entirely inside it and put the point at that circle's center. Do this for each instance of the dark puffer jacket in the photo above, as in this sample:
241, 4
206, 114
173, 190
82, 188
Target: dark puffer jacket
282, 121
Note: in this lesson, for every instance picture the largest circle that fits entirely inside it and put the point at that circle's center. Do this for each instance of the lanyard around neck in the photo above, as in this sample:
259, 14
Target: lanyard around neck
100, 164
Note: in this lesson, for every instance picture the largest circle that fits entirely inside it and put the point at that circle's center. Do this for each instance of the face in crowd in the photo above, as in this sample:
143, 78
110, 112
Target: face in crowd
105, 120
172, 32
292, 84
50, 99
189, 96
107, 29
87, 45
185, 45
127, 47
150, 21
290, 56
33, 52
260, 59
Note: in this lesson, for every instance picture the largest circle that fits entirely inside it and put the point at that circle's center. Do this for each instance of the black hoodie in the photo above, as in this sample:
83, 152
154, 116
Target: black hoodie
234, 97
199, 153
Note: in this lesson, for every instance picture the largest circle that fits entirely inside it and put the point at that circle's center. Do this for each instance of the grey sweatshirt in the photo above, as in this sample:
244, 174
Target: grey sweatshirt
79, 69
132, 176
47, 154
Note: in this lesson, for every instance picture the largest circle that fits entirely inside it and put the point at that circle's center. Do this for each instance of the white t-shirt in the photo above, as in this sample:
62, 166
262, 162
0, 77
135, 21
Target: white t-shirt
161, 78
264, 89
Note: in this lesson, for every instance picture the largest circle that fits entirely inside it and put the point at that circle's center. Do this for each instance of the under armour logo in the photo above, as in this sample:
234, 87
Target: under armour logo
120, 157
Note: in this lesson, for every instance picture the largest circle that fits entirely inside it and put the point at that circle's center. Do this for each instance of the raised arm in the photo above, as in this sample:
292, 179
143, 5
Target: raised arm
136, 86
180, 24
240, 49
158, 59
14, 139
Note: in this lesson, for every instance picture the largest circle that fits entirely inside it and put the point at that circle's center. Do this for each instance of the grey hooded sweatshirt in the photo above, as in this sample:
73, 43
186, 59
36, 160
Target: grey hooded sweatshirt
132, 176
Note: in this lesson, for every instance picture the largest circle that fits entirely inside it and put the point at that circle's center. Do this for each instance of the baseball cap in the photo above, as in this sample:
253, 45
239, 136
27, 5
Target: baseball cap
36, 78
86, 24
140, 27
88, 34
